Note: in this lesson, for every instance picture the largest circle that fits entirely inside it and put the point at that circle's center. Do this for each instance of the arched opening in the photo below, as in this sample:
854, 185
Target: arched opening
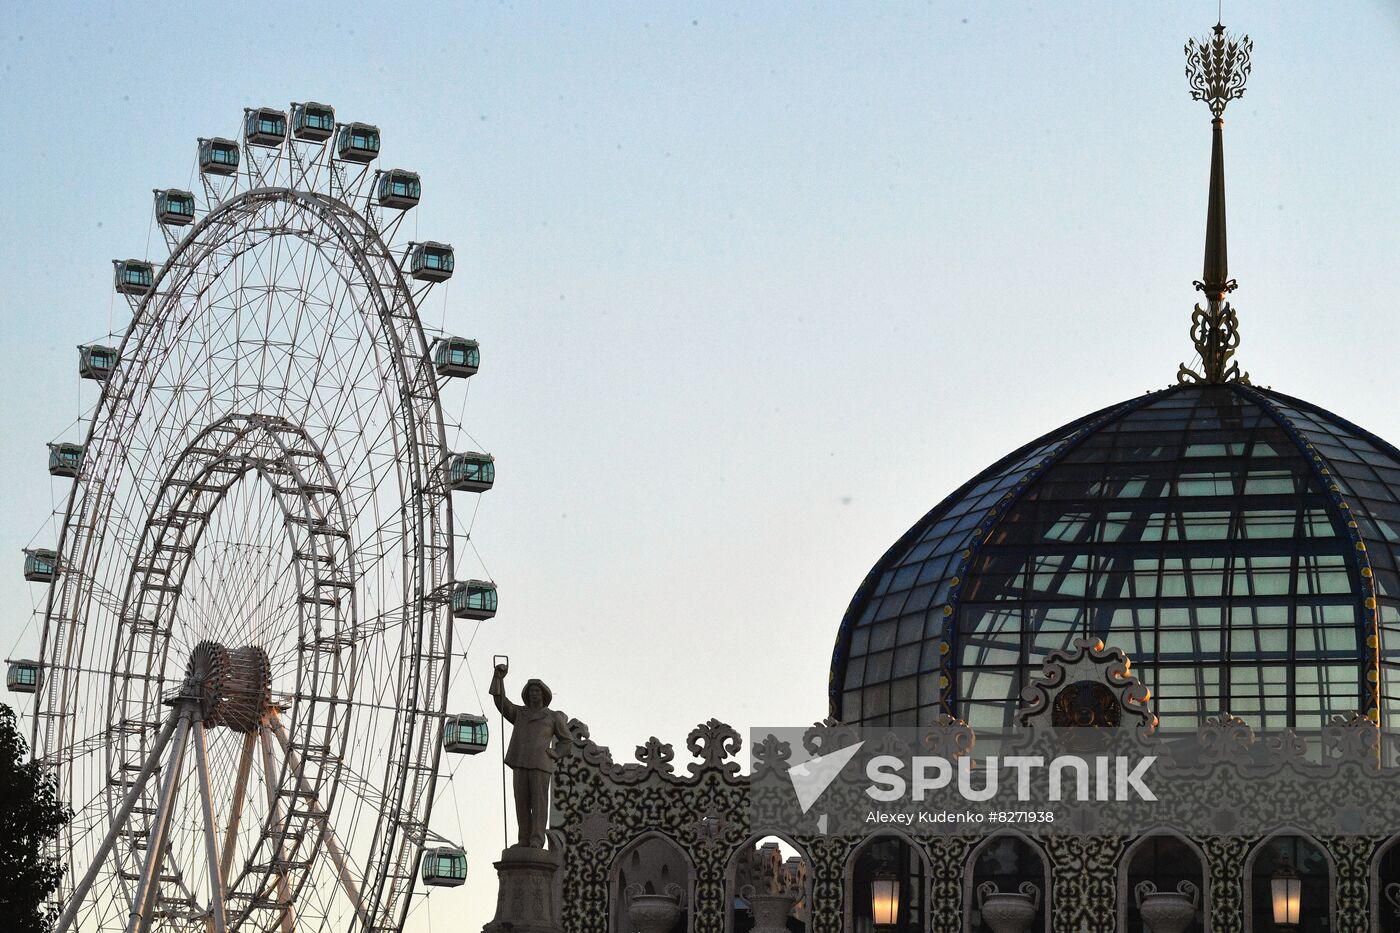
769, 885
1385, 887
886, 887
1288, 868
1010, 864
1175, 870
652, 877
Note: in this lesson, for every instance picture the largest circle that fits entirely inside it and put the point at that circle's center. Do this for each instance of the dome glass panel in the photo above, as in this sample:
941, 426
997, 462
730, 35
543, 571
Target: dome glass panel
1192, 527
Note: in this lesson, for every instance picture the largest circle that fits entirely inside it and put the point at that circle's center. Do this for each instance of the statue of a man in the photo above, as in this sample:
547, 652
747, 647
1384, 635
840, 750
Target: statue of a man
540, 737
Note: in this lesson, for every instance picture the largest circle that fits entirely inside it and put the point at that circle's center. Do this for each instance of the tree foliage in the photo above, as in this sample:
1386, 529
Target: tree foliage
30, 815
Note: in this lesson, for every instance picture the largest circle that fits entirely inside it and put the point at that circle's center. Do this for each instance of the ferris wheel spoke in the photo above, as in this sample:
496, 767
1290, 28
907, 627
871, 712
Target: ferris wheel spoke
278, 823
235, 816
363, 787
308, 289
367, 632
333, 848
75, 901
148, 887
341, 399
211, 843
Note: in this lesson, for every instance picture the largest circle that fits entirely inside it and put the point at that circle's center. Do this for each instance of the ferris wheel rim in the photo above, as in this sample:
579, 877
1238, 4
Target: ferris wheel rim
426, 437
262, 193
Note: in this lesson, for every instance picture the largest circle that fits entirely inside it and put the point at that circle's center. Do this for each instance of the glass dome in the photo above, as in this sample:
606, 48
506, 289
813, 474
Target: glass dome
1240, 545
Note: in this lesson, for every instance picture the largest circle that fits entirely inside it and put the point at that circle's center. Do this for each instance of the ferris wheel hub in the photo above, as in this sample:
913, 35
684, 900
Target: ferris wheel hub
233, 685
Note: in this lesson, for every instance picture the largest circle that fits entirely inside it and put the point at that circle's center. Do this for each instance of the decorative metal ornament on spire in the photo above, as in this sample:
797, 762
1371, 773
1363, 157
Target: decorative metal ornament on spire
1217, 68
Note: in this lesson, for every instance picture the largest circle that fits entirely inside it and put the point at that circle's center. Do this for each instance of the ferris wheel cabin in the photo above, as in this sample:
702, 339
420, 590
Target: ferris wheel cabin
465, 734
444, 866
40, 565
24, 676
431, 262
65, 459
471, 472
265, 127
313, 122
399, 189
218, 156
474, 599
456, 356
174, 208
96, 362
358, 142
133, 276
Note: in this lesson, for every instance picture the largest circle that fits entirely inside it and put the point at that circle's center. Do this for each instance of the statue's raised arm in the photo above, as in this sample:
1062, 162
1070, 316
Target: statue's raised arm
540, 737
498, 693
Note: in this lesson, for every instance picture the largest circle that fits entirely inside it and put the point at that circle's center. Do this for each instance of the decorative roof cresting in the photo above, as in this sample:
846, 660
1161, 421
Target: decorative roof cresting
1217, 67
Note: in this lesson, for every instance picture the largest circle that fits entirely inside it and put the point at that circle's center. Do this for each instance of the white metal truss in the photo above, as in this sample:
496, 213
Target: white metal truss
263, 469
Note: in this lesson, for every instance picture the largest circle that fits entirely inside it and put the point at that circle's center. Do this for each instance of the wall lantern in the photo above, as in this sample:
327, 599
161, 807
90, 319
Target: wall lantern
884, 898
1287, 888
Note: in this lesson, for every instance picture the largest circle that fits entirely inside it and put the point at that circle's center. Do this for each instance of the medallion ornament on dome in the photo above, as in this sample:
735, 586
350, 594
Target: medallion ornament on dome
1092, 674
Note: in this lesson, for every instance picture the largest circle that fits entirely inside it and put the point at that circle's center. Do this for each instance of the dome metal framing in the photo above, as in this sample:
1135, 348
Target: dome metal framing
1239, 544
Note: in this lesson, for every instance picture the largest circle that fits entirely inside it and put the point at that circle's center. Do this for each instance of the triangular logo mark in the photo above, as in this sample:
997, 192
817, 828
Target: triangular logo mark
812, 777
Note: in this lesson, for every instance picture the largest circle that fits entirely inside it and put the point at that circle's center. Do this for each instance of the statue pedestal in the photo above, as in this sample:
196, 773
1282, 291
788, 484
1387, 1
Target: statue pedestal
525, 902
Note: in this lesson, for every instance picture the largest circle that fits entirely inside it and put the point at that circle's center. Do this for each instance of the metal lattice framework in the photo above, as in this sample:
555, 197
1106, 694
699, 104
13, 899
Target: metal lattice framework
247, 644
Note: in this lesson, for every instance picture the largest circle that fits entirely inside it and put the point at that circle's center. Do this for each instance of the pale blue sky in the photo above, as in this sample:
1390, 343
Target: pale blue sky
756, 284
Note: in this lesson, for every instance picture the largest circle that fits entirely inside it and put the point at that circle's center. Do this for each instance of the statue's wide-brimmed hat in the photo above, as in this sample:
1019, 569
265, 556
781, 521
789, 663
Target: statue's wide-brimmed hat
536, 682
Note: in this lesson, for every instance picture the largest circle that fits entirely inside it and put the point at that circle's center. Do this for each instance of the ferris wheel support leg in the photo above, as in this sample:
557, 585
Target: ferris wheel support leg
146, 890
342, 867
235, 816
211, 838
274, 810
75, 901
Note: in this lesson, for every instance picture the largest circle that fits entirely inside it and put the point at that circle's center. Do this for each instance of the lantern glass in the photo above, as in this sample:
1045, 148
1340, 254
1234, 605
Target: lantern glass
1287, 890
884, 901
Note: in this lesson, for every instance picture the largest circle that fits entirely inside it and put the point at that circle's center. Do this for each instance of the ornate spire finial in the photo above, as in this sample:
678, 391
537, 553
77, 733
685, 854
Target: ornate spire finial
1217, 68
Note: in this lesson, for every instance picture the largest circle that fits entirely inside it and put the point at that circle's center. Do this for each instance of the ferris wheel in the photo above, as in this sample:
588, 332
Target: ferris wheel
247, 632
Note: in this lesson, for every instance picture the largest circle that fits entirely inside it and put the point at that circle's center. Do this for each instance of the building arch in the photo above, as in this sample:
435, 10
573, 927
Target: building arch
653, 860
969, 878
802, 911
915, 876
1384, 871
1125, 886
1329, 885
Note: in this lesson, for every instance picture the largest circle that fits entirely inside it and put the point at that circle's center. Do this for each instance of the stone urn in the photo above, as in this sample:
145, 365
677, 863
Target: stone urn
1167, 911
770, 911
1008, 912
653, 913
